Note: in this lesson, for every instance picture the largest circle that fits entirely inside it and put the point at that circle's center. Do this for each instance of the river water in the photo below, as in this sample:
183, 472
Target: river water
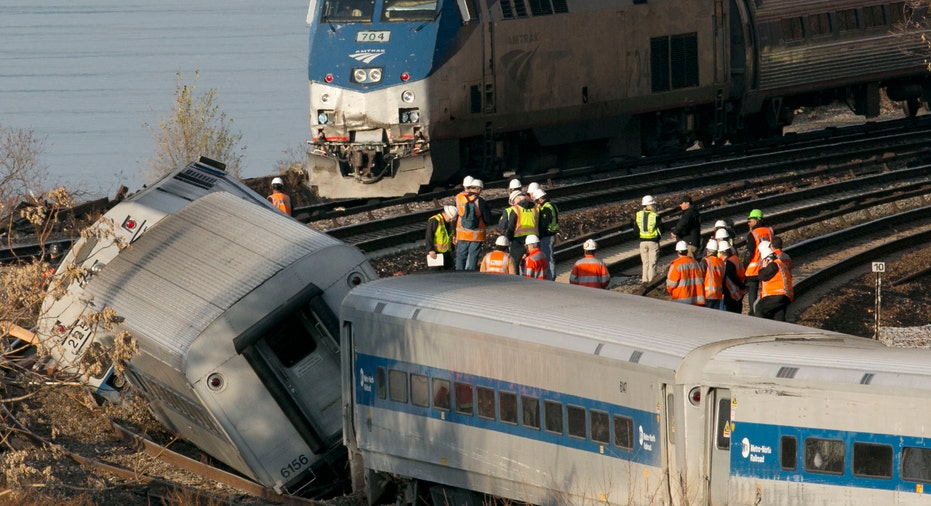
87, 77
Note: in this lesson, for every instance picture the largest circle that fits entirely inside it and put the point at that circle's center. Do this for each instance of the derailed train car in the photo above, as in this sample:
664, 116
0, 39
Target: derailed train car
232, 307
404, 93
464, 387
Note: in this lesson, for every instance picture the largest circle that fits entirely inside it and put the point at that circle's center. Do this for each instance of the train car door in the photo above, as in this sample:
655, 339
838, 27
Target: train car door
719, 430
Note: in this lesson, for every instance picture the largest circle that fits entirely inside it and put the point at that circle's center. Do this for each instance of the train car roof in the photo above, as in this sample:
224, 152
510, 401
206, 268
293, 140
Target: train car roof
191, 267
586, 320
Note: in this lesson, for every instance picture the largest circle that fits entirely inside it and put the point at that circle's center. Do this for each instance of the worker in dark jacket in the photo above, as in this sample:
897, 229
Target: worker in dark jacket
775, 285
440, 239
522, 220
548, 228
758, 234
688, 228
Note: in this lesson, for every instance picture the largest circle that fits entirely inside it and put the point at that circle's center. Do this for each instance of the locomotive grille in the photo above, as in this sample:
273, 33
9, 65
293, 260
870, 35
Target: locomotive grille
787, 372
196, 178
674, 62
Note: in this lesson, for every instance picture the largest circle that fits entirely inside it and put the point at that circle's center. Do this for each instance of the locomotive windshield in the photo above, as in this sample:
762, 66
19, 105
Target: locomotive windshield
409, 10
352, 11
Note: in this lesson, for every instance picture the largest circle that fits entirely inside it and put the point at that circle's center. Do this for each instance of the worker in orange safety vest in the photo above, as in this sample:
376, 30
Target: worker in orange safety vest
713, 269
685, 282
775, 285
533, 264
279, 198
499, 261
589, 270
758, 233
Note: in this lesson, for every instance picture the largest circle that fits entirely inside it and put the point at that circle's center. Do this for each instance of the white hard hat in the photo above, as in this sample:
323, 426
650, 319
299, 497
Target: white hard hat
451, 211
477, 183
723, 246
512, 198
721, 234
720, 224
537, 194
533, 186
648, 200
501, 241
765, 249
712, 245
590, 245
467, 181
277, 181
532, 239
682, 246
514, 184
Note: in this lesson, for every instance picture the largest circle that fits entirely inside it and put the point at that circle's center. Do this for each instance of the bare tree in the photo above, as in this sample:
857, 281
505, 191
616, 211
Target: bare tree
21, 169
195, 128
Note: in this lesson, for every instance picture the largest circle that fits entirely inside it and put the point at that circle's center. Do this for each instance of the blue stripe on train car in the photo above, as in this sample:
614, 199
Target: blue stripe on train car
646, 441
757, 451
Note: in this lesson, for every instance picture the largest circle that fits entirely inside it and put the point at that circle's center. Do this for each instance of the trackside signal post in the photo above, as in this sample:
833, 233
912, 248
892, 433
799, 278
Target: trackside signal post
879, 268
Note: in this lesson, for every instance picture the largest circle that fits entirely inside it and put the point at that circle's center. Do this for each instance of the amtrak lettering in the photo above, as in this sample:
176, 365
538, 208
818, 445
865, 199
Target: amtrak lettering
523, 38
756, 453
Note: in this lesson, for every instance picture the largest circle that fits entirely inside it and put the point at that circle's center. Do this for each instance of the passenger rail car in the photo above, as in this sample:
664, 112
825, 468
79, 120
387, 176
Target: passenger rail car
232, 306
408, 92
461, 386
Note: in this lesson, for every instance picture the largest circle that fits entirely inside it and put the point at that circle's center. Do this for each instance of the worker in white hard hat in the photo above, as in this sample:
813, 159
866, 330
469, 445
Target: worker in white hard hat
279, 198
685, 282
547, 227
499, 261
752, 259
713, 269
533, 264
726, 226
776, 290
514, 184
474, 214
734, 276
518, 221
589, 270
650, 227
440, 239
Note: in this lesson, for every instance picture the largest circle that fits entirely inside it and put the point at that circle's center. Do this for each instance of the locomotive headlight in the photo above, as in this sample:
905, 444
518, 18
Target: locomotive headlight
415, 116
322, 118
405, 117
375, 75
358, 75
407, 96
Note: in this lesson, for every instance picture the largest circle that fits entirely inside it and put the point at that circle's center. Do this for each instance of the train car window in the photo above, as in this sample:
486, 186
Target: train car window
409, 10
896, 12
872, 460
820, 24
420, 392
788, 453
723, 433
873, 16
348, 11
824, 455
674, 62
540, 7
916, 464
530, 412
507, 12
441, 394
507, 404
397, 385
382, 382
623, 432
792, 29
601, 430
847, 20
464, 399
552, 416
560, 6
293, 338
575, 416
520, 9
486, 402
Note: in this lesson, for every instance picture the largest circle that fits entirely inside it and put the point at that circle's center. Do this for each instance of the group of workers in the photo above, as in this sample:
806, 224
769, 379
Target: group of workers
527, 232
720, 279
717, 279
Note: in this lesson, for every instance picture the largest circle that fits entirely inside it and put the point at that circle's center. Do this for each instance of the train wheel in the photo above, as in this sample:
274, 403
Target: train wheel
910, 106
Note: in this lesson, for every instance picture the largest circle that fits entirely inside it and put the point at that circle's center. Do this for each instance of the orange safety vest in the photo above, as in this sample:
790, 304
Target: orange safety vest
714, 278
468, 234
496, 262
685, 281
535, 265
281, 201
780, 284
760, 234
736, 292
590, 271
